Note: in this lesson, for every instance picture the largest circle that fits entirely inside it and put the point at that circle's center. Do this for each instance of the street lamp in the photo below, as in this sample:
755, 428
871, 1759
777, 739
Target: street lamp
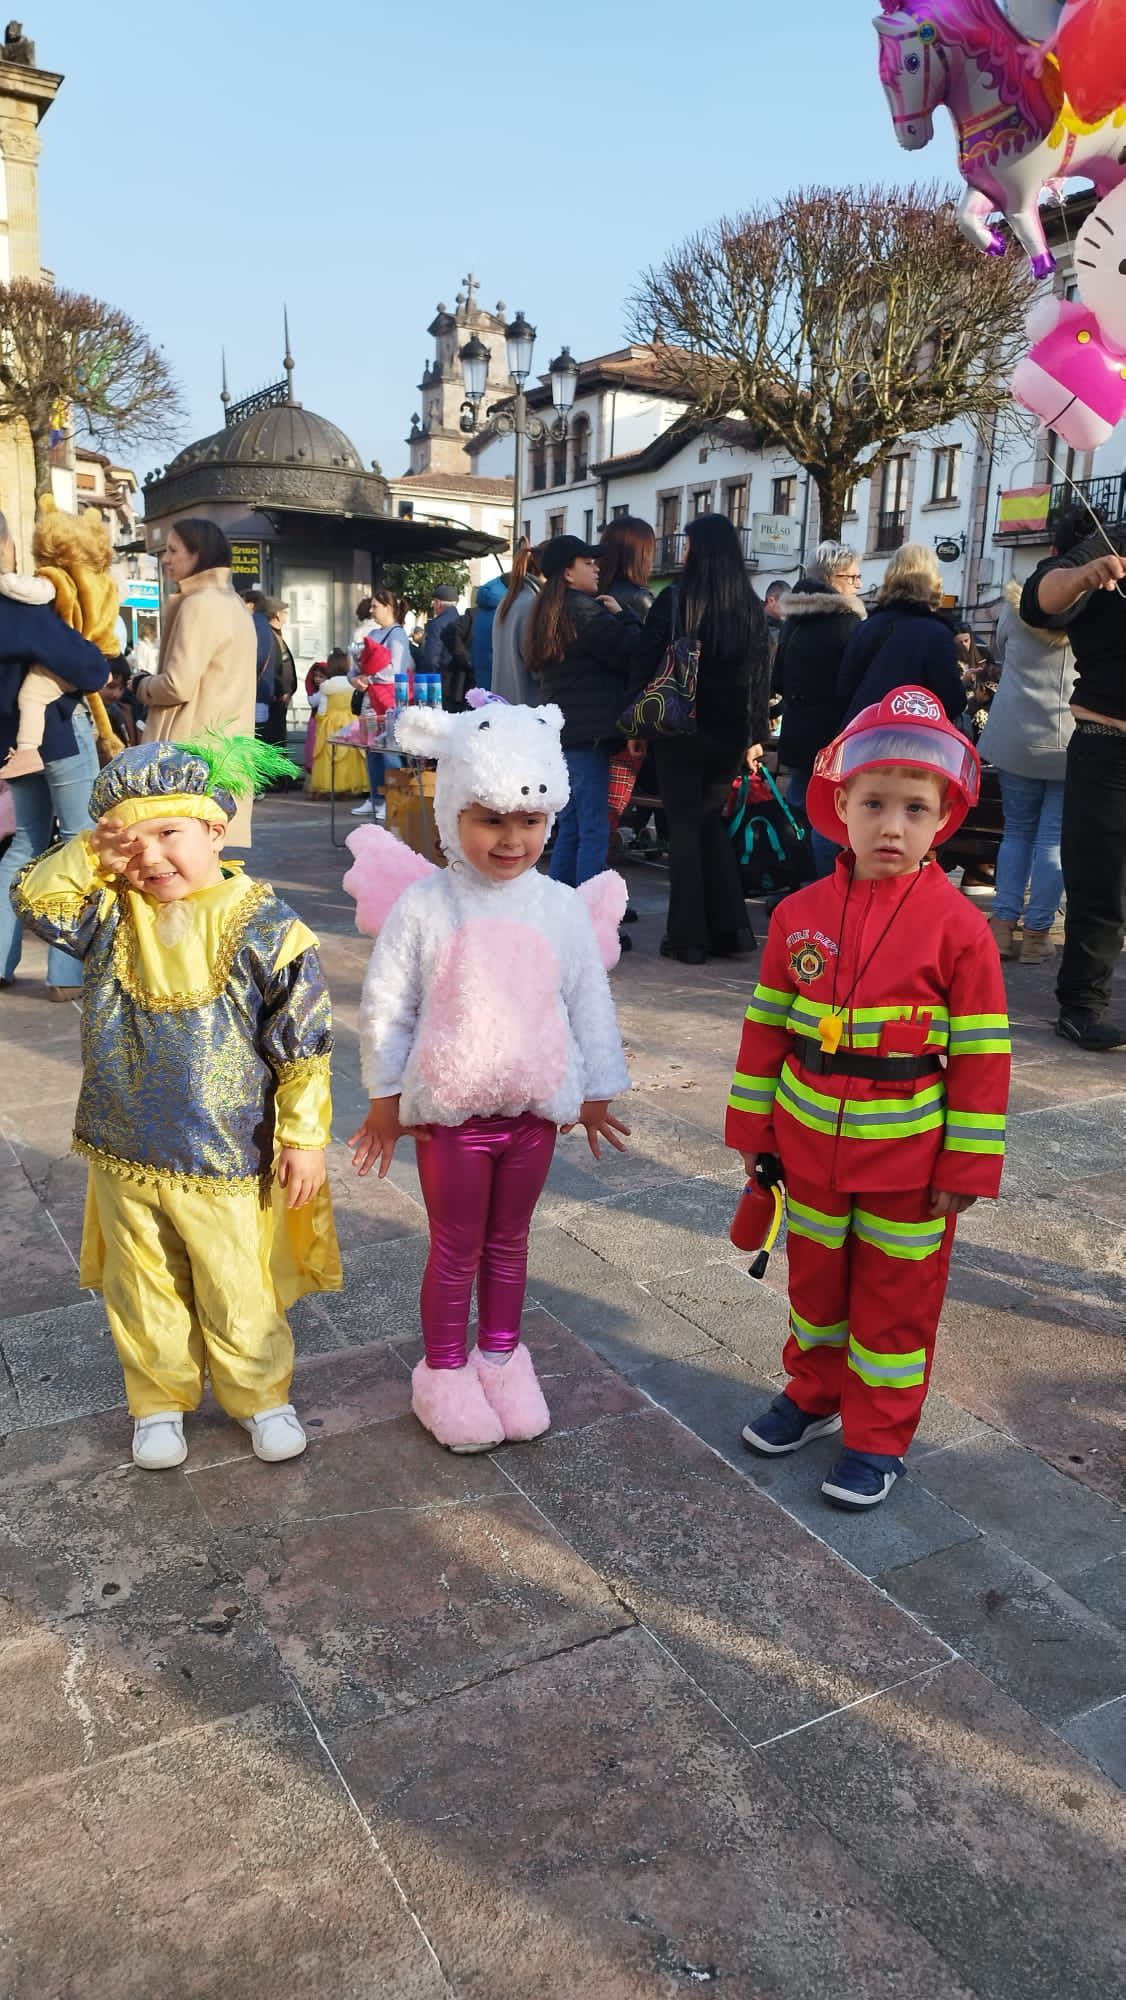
512, 417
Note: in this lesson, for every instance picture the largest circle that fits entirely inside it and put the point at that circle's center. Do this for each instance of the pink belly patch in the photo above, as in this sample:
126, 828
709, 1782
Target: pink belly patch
493, 1032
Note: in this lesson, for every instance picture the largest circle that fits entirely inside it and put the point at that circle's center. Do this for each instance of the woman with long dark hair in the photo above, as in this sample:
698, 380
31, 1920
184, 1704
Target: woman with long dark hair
716, 605
581, 649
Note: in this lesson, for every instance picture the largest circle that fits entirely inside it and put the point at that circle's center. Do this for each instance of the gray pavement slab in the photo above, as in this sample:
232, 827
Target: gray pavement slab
763, 1617
222, 1860
595, 1829
546, 1671
1035, 1641
984, 1829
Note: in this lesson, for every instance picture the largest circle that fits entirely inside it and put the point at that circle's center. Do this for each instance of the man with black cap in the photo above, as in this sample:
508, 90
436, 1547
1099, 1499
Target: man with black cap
444, 647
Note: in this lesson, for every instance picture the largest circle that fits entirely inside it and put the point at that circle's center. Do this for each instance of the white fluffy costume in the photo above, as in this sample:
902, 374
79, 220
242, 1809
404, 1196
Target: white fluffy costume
487, 1012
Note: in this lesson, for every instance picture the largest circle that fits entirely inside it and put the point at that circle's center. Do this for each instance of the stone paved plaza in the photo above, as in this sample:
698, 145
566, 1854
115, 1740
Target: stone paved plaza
621, 1715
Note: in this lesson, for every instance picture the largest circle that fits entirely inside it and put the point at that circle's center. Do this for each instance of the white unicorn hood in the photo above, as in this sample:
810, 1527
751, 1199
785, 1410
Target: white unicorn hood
492, 755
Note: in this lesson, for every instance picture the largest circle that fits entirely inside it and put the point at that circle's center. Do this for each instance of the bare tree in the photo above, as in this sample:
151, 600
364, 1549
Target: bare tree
837, 322
67, 359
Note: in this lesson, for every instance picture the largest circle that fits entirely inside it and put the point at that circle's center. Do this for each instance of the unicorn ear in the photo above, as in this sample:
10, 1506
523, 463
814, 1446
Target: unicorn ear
424, 732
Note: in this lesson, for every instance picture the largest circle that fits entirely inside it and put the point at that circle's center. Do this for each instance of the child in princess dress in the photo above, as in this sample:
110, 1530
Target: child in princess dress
486, 1026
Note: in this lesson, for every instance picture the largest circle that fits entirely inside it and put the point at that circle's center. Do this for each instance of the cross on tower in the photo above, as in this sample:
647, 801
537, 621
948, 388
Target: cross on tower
471, 286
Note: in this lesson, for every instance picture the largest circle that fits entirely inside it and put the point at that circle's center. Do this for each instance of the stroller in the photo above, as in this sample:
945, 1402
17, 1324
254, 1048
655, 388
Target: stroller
772, 843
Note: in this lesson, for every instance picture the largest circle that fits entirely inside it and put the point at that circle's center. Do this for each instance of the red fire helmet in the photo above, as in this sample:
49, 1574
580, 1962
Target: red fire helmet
907, 727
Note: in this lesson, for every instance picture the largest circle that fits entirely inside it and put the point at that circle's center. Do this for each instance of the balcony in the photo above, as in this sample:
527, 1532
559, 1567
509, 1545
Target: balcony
1024, 512
891, 533
671, 550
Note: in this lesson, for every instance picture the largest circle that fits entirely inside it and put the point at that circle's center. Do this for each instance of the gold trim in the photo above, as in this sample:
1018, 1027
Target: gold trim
58, 907
151, 1176
301, 1068
230, 937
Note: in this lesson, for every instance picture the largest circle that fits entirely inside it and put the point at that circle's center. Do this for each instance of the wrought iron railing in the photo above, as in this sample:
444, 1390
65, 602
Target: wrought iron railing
671, 550
1108, 495
891, 532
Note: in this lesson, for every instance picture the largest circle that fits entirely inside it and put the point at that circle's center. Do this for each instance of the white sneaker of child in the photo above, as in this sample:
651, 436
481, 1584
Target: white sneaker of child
158, 1441
275, 1434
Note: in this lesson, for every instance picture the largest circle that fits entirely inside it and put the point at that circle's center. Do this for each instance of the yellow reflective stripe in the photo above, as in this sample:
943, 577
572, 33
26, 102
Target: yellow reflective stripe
887, 1371
895, 1117
960, 1021
863, 1025
809, 1107
979, 1035
982, 1045
770, 1007
829, 1230
808, 1335
912, 1240
751, 1093
975, 1132
862, 1117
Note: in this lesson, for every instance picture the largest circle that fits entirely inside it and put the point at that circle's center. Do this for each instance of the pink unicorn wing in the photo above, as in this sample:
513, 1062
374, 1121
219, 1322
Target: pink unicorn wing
381, 869
605, 897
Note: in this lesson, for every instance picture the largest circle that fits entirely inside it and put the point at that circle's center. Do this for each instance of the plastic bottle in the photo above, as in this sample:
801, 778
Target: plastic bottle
402, 690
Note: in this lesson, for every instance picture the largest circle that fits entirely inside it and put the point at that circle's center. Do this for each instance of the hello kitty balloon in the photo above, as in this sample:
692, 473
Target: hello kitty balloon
1074, 376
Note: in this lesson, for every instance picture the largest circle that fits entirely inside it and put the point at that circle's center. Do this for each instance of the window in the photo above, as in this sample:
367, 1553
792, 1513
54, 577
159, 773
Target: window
701, 501
735, 503
538, 458
580, 448
619, 513
588, 525
528, 533
891, 526
559, 461
944, 472
669, 519
850, 504
785, 494
557, 523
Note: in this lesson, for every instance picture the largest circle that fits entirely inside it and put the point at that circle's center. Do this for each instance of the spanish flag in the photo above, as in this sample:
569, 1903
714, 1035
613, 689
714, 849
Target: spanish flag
1024, 510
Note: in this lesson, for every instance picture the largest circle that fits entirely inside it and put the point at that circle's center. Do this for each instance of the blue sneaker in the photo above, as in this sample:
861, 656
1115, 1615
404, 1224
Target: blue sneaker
783, 1427
861, 1479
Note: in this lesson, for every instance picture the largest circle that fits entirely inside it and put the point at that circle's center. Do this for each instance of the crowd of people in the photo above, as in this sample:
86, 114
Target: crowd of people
872, 1077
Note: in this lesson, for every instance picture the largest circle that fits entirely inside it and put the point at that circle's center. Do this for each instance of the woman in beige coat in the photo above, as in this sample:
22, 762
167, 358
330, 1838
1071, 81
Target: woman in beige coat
205, 678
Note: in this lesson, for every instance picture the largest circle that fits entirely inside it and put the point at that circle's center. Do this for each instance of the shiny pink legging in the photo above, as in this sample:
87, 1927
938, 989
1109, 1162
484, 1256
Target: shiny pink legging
480, 1182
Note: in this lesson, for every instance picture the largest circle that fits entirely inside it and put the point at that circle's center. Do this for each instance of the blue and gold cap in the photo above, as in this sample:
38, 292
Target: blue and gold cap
204, 779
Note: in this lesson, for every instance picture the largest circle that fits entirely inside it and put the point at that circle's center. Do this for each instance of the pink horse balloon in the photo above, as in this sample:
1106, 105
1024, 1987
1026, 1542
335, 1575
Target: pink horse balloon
1015, 132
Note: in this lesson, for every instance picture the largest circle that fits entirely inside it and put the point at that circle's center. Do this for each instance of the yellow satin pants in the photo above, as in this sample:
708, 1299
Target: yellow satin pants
187, 1284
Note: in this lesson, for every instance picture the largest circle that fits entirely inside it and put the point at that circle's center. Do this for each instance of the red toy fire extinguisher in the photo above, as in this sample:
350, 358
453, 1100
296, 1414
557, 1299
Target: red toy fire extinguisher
758, 1218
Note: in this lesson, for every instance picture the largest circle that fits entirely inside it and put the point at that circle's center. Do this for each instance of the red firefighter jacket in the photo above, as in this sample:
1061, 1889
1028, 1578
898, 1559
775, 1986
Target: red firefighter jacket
896, 968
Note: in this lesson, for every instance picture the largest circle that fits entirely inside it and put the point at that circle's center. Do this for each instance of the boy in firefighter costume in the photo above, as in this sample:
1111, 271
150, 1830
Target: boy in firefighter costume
204, 1108
874, 1064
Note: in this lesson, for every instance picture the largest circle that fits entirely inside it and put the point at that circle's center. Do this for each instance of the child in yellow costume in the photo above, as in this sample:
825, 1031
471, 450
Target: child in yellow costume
205, 1104
73, 553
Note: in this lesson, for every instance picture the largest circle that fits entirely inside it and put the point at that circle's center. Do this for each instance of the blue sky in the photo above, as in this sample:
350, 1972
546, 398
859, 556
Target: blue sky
355, 158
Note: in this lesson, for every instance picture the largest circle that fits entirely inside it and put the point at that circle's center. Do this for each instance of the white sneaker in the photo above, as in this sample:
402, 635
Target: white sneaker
359, 811
275, 1434
158, 1442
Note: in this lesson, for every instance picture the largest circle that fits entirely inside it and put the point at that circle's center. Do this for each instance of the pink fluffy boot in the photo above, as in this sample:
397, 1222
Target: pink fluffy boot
451, 1405
514, 1394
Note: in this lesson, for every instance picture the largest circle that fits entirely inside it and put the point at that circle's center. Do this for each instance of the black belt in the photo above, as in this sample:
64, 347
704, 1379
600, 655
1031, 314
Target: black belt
1099, 729
870, 1069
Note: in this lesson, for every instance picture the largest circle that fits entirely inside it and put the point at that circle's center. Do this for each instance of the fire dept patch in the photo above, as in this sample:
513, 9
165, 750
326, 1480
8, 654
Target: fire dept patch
807, 963
912, 701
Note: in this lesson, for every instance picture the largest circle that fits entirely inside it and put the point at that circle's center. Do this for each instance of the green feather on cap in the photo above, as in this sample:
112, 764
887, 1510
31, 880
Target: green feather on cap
242, 766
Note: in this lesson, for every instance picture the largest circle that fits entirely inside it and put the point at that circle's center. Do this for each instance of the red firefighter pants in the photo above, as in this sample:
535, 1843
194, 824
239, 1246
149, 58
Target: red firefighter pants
867, 1280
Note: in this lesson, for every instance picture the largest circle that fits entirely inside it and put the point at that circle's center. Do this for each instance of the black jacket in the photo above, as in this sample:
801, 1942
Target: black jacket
34, 635
596, 675
632, 597
731, 702
1095, 624
818, 626
904, 644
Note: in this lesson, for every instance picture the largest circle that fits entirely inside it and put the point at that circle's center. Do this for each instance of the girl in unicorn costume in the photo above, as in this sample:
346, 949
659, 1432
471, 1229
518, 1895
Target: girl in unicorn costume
486, 1025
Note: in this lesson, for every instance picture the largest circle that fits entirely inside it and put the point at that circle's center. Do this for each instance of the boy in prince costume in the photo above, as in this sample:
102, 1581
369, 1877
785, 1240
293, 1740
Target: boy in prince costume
205, 1103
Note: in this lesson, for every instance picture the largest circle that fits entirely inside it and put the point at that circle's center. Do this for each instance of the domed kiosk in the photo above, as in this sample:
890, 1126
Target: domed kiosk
304, 518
